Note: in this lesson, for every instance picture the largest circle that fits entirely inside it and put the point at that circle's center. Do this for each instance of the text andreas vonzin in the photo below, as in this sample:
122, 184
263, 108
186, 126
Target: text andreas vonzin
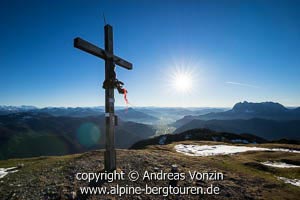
193, 175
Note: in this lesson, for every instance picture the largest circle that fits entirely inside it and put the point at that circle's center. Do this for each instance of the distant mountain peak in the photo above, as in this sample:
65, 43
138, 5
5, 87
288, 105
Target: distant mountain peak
263, 107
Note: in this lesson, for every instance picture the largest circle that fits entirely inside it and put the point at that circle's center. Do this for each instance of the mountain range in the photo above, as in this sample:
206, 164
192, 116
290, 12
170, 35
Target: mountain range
131, 114
35, 134
248, 110
27, 131
268, 119
268, 129
127, 114
199, 135
137, 114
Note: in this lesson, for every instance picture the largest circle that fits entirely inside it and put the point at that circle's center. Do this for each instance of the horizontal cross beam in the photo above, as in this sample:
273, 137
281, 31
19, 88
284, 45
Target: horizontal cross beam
101, 53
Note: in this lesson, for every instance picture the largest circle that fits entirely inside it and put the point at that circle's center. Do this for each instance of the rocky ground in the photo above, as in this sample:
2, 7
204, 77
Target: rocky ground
244, 176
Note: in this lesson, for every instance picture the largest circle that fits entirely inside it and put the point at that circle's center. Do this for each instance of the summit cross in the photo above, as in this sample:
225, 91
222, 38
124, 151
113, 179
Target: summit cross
109, 85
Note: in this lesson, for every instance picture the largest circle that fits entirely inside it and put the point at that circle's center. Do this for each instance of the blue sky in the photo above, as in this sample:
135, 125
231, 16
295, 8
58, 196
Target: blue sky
235, 50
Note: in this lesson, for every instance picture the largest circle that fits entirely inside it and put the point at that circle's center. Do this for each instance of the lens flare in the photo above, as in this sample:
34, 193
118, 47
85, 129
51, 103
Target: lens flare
88, 134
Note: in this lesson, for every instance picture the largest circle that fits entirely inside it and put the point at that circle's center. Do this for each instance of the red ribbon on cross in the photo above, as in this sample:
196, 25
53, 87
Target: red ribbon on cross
125, 96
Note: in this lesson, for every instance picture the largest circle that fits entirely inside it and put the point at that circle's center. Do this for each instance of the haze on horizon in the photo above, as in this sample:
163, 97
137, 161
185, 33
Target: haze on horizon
184, 53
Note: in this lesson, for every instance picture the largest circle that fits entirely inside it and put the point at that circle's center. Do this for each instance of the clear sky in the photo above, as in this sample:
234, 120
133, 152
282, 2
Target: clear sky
231, 50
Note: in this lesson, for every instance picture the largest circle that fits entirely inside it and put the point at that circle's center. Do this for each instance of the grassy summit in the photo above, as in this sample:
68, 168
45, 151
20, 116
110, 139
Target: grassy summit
244, 176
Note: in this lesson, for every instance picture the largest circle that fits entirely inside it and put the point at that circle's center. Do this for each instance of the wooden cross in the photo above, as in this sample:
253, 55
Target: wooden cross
110, 61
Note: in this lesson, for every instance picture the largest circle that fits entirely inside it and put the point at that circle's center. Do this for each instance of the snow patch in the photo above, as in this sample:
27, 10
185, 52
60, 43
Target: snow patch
212, 150
295, 182
5, 171
279, 164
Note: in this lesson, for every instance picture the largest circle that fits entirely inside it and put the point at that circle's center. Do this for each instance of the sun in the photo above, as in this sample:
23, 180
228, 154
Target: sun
181, 77
182, 80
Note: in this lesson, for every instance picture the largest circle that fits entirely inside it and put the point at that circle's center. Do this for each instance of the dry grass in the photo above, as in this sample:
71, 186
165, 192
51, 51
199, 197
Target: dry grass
244, 176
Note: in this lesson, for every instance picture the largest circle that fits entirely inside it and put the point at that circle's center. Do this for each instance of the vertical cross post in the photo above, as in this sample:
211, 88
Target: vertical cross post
109, 84
110, 152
